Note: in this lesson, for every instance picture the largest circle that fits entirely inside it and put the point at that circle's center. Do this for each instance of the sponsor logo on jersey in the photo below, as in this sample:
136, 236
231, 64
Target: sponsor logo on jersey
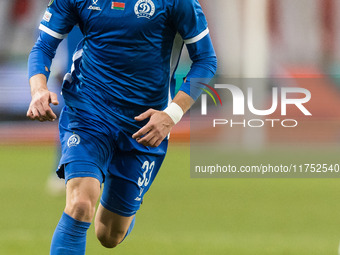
145, 9
94, 6
47, 16
74, 140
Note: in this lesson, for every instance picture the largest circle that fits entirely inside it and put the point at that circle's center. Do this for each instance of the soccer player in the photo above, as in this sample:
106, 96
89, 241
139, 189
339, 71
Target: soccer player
118, 114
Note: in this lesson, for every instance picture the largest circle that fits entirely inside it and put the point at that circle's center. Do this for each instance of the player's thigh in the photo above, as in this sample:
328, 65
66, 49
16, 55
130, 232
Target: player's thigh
83, 188
110, 225
82, 194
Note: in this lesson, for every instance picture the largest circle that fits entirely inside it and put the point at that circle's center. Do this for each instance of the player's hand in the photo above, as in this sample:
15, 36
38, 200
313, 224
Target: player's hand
154, 132
39, 108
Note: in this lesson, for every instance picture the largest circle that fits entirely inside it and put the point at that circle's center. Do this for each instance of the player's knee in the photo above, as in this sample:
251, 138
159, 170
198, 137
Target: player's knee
81, 209
110, 240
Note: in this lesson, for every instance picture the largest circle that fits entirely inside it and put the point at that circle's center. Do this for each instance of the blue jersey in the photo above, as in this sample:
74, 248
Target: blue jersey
129, 53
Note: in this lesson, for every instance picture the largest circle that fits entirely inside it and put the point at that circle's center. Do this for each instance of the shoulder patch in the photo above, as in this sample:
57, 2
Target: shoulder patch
47, 16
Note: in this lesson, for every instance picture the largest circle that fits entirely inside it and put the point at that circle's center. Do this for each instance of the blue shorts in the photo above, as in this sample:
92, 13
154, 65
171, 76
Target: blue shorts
95, 147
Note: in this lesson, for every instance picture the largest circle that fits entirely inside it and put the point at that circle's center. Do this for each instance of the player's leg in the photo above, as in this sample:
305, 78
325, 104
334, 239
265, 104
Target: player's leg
81, 197
130, 175
111, 228
115, 216
84, 155
70, 234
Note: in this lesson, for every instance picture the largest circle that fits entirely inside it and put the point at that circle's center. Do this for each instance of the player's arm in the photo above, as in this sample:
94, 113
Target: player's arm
58, 21
39, 63
161, 122
39, 108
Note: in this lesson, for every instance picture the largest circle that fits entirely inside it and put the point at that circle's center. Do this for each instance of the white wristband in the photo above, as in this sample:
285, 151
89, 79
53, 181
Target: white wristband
175, 112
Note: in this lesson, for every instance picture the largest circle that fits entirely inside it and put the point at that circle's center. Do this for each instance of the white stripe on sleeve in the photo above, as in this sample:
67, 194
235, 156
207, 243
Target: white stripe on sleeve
51, 32
198, 37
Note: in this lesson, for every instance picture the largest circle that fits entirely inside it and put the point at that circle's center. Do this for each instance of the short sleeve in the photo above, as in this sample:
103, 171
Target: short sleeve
59, 18
189, 20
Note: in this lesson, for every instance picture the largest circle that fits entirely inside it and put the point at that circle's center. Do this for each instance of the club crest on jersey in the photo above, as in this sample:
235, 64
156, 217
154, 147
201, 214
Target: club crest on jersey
145, 9
74, 140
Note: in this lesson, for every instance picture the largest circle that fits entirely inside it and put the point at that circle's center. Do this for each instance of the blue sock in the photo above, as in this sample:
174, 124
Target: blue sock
130, 228
69, 236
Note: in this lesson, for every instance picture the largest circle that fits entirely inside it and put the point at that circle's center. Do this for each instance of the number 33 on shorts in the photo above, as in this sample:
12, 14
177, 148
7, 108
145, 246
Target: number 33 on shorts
145, 179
